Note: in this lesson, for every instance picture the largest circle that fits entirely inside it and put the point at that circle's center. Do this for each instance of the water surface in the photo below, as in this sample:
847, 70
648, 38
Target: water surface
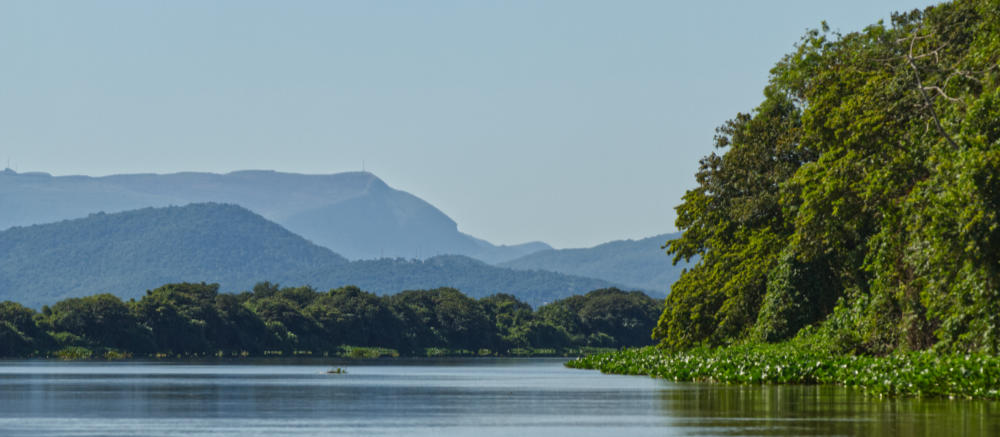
475, 397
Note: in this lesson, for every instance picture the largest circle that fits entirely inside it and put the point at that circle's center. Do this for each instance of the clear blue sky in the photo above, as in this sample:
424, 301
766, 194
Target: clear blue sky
572, 122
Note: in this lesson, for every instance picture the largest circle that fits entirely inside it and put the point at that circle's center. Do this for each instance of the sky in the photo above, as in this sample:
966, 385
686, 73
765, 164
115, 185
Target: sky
572, 122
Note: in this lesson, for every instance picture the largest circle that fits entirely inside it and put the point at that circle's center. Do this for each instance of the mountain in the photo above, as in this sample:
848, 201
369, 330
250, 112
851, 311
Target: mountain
130, 252
355, 214
127, 253
638, 264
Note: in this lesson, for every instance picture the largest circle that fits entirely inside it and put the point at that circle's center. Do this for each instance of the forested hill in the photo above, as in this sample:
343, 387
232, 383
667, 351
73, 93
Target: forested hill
471, 276
129, 252
862, 197
639, 264
355, 214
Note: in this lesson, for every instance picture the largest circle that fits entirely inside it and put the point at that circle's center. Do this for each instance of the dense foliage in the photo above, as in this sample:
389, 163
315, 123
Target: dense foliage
862, 196
127, 252
189, 319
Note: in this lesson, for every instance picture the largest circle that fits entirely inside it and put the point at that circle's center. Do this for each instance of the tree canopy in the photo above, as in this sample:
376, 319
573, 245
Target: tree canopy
194, 319
860, 197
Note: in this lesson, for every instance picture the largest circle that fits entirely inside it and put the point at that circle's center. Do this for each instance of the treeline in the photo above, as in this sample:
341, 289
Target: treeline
188, 319
860, 202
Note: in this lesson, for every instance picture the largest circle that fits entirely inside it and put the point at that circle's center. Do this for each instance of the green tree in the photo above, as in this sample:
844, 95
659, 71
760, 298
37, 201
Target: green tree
626, 318
860, 196
508, 313
734, 223
290, 328
182, 317
19, 334
350, 316
101, 320
443, 318
239, 330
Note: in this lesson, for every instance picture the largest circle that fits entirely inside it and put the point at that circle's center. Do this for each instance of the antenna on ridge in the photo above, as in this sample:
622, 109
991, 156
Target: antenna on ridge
363, 166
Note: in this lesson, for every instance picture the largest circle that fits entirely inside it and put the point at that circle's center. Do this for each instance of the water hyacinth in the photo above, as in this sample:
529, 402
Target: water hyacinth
922, 373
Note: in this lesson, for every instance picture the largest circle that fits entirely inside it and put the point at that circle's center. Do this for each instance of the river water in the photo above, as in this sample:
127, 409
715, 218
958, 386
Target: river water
468, 397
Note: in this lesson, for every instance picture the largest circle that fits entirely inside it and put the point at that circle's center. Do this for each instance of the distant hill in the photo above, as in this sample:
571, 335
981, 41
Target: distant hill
354, 214
473, 277
640, 264
129, 252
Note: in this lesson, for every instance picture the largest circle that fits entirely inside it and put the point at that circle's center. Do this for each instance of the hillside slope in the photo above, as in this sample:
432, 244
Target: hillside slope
129, 252
640, 264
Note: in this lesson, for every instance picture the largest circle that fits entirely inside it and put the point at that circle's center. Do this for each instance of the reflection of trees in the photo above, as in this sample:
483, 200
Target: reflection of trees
822, 410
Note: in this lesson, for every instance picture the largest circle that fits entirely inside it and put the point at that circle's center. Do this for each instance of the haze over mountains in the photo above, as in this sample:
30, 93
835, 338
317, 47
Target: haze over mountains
129, 252
355, 214
294, 230
640, 264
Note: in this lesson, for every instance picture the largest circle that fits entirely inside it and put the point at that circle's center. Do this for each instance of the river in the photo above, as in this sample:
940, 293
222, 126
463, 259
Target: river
468, 397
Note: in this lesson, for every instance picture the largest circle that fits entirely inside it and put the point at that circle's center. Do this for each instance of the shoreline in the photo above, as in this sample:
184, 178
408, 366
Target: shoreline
919, 374
345, 353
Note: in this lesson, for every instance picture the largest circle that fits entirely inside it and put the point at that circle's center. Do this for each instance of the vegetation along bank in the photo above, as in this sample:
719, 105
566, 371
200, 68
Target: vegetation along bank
856, 210
196, 320
914, 373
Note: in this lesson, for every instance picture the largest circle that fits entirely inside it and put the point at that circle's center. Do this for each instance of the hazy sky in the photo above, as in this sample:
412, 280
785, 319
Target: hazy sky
572, 122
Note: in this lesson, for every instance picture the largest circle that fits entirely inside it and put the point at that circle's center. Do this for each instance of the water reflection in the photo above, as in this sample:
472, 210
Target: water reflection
433, 398
822, 411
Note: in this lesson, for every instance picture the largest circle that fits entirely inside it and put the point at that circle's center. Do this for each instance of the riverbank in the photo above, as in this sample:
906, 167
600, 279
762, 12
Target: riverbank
974, 376
77, 353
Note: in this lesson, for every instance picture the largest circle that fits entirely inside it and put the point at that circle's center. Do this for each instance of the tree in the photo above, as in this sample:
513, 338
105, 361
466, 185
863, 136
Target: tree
443, 318
182, 317
626, 318
734, 223
101, 320
350, 316
860, 196
240, 330
507, 313
19, 335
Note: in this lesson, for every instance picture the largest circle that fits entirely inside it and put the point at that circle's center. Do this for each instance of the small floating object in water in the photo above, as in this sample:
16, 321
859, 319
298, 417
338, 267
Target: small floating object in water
337, 371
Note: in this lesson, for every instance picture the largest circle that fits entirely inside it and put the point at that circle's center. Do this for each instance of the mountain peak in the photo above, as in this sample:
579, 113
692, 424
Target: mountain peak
353, 213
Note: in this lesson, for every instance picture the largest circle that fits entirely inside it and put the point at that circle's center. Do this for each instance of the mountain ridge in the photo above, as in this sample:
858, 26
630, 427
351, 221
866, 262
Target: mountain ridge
343, 211
129, 252
640, 264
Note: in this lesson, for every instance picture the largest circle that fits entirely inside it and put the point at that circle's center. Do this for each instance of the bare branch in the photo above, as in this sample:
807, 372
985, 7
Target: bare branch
969, 74
920, 87
912, 38
942, 94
